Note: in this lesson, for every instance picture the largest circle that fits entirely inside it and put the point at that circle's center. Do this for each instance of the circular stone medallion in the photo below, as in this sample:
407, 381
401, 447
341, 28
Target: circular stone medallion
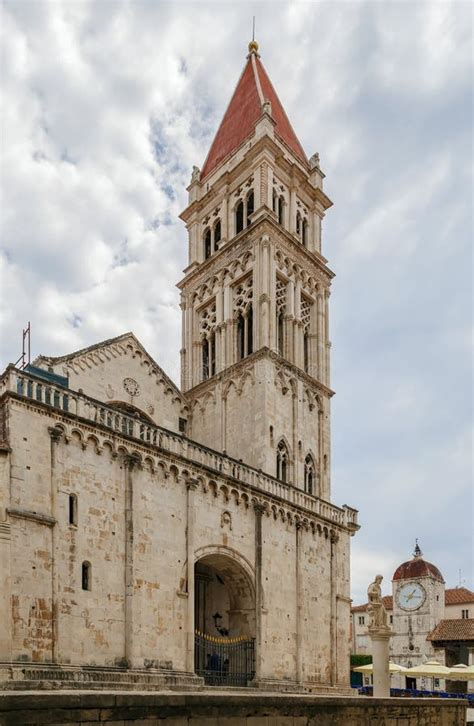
131, 386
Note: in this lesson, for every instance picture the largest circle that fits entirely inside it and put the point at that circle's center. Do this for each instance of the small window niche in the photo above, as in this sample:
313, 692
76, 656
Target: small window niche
86, 576
72, 504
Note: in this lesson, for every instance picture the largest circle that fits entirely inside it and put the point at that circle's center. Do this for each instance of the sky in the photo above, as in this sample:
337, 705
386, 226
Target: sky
107, 106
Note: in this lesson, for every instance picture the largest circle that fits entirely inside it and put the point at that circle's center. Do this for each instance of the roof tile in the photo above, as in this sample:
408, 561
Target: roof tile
244, 110
458, 629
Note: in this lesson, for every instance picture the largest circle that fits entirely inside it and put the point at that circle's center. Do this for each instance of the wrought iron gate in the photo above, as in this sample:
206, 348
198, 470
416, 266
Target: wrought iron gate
224, 661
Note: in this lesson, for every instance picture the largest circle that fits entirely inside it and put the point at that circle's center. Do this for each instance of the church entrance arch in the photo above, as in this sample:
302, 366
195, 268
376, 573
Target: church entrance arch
224, 616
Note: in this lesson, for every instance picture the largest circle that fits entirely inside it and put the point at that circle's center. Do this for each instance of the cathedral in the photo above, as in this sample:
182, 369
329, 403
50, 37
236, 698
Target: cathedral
152, 535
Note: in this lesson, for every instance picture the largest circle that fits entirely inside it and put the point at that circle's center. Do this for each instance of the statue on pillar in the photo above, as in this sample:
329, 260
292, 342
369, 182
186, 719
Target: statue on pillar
375, 608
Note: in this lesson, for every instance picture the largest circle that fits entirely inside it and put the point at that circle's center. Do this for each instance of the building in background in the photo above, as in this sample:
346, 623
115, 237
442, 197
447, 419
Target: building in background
154, 535
428, 620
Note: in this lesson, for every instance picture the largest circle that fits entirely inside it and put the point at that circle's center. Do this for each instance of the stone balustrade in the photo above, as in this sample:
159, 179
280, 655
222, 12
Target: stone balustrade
78, 404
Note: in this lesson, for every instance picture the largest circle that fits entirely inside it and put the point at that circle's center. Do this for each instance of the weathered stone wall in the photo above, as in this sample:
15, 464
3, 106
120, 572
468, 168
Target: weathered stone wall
132, 522
226, 709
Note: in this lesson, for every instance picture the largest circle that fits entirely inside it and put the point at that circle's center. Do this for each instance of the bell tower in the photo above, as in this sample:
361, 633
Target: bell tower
254, 298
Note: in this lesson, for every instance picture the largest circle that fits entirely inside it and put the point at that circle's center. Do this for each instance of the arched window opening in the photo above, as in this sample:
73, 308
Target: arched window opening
207, 244
304, 236
240, 337
249, 322
280, 333
205, 359
281, 211
212, 354
309, 475
275, 202
239, 217
250, 208
39, 392
298, 224
282, 462
72, 509
217, 235
86, 576
306, 351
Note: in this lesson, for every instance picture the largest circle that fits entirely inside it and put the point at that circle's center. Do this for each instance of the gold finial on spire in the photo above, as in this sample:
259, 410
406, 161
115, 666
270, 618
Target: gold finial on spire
253, 45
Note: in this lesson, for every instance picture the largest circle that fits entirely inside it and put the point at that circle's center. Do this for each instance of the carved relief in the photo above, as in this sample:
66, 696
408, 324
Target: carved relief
131, 386
226, 520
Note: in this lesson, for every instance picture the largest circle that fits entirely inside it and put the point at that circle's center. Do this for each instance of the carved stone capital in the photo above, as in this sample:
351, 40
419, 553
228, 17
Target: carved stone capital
131, 461
192, 484
55, 433
259, 508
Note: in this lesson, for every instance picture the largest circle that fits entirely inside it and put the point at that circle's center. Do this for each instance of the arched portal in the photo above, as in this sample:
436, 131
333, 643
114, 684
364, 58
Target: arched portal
224, 616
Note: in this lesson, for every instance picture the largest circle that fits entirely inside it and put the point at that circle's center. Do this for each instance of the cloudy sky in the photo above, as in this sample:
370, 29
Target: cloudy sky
107, 107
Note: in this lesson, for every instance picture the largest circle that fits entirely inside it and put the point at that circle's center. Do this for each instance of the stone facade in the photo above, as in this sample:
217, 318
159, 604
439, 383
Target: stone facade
133, 514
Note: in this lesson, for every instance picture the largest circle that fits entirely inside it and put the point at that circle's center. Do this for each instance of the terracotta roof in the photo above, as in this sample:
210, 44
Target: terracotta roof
458, 596
244, 110
452, 596
453, 630
417, 567
387, 601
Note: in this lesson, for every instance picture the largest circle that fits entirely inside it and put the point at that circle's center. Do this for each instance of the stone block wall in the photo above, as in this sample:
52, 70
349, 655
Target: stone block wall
224, 709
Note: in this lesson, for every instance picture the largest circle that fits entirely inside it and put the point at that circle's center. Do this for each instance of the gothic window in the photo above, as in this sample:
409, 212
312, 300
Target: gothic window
244, 317
205, 359
282, 461
309, 475
86, 576
249, 330
250, 208
275, 202
72, 509
240, 337
281, 211
207, 244
304, 233
239, 217
207, 328
306, 320
299, 224
217, 235
280, 315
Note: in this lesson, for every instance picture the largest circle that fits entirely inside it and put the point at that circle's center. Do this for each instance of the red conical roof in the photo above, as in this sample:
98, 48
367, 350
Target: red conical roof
244, 110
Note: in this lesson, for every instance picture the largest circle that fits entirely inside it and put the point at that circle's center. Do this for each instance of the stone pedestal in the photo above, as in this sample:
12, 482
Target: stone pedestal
380, 637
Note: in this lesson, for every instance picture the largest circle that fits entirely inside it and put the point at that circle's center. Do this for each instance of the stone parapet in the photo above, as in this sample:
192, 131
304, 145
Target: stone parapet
74, 406
228, 708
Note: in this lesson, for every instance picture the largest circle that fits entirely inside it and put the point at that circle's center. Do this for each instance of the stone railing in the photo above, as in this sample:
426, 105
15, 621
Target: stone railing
89, 409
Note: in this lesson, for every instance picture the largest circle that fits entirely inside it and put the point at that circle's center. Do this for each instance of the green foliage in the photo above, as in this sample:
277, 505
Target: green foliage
360, 660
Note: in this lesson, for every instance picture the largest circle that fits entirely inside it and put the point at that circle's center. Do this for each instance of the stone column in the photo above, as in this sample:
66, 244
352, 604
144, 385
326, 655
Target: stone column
55, 434
333, 604
380, 639
130, 462
259, 510
191, 486
299, 606
379, 633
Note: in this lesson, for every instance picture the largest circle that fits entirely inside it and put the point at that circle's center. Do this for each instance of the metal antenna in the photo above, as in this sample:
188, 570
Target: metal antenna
253, 28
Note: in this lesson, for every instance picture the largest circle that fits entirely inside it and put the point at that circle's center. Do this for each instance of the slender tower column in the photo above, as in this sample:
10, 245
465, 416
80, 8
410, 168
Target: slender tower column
259, 510
131, 461
333, 544
299, 605
191, 486
56, 434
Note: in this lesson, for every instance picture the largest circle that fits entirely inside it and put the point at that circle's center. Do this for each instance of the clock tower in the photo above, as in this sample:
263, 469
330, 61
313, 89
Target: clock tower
418, 606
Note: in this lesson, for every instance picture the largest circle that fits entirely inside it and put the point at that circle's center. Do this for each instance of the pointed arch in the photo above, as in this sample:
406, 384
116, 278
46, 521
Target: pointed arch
207, 243
309, 475
282, 460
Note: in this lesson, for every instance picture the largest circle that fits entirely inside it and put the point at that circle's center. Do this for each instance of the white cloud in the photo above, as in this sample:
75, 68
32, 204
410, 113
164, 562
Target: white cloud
108, 106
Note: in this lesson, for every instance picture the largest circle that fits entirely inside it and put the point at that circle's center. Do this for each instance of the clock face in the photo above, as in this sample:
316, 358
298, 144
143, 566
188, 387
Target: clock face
411, 596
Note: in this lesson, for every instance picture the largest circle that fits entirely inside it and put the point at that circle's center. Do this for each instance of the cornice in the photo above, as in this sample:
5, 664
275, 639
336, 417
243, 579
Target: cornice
247, 363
